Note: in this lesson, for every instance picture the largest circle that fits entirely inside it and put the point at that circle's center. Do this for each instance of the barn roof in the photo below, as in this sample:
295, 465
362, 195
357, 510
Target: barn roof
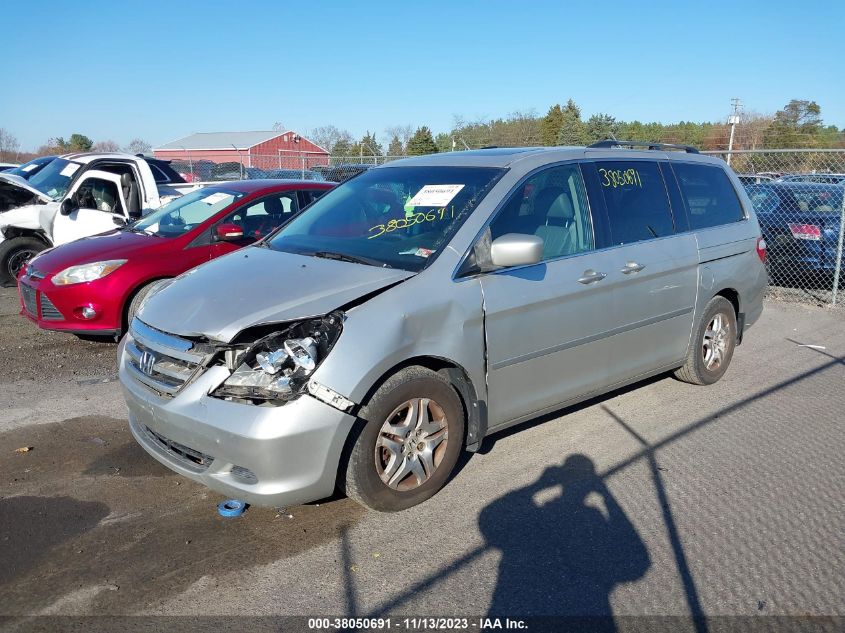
223, 140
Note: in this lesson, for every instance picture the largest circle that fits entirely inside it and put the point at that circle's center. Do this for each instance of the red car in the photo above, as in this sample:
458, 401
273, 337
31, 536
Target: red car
93, 286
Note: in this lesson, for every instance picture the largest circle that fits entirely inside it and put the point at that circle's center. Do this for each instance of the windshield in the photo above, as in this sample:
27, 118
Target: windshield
392, 216
186, 213
54, 180
28, 170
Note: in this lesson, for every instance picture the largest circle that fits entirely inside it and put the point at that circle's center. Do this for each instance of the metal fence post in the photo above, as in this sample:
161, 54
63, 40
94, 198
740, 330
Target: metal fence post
838, 267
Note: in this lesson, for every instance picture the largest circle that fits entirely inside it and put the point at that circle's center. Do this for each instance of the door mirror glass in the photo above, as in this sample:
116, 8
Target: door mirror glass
118, 220
227, 232
516, 249
67, 206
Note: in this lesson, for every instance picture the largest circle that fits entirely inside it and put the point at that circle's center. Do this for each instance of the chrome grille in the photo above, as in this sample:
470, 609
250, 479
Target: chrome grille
161, 362
28, 296
49, 312
188, 456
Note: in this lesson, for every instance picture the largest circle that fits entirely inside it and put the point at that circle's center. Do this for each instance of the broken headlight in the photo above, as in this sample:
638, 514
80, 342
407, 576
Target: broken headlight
276, 368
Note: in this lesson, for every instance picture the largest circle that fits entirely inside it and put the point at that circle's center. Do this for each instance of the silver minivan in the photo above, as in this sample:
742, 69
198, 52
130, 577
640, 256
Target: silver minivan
425, 304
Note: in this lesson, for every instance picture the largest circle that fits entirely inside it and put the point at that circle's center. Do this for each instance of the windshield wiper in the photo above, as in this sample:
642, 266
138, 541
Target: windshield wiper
355, 259
133, 229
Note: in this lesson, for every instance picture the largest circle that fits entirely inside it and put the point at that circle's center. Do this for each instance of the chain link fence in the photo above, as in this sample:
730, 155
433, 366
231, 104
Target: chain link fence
798, 196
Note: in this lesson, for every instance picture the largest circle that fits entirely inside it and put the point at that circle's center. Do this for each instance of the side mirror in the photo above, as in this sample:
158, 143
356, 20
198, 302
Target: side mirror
118, 220
228, 233
67, 206
516, 249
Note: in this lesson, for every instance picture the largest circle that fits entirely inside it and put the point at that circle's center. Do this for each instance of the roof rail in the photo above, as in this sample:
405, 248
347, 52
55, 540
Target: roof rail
689, 149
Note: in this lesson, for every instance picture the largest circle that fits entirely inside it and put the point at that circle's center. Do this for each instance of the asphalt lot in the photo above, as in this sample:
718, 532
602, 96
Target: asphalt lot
660, 499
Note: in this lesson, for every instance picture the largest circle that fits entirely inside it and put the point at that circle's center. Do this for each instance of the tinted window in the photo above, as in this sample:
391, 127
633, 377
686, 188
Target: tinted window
635, 195
710, 196
763, 198
551, 205
263, 217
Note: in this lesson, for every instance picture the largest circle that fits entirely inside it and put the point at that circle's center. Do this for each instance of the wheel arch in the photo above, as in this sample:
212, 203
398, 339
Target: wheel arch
475, 410
732, 295
11, 232
130, 296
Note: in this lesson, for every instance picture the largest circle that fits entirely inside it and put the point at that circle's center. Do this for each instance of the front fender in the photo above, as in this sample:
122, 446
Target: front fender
33, 217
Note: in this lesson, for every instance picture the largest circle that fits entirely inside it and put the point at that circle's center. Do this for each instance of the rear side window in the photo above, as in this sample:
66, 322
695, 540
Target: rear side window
636, 201
710, 196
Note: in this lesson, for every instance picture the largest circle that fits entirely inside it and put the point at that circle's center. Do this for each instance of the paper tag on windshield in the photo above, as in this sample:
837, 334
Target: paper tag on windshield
70, 169
434, 195
214, 198
29, 168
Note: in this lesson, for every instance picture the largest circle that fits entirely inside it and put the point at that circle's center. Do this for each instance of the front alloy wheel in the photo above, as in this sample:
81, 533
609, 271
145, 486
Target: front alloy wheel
411, 444
406, 442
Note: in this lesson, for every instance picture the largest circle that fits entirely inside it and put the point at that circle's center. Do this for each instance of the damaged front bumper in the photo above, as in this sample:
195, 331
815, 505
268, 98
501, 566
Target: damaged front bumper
264, 455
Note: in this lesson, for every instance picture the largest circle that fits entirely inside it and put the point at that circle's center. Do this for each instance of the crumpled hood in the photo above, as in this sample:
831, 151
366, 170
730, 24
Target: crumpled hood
16, 182
256, 286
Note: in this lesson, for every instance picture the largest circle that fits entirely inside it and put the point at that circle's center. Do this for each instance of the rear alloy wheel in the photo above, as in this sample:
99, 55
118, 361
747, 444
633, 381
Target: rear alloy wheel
407, 441
14, 254
712, 348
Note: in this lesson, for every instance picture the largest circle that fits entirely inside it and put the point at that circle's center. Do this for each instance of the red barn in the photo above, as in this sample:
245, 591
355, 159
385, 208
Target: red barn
271, 149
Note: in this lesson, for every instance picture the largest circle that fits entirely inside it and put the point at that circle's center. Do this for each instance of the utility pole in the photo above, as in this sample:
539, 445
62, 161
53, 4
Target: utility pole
733, 120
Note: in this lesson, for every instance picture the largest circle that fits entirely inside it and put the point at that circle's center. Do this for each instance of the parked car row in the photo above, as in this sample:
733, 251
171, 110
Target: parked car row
58, 199
208, 171
801, 222
94, 285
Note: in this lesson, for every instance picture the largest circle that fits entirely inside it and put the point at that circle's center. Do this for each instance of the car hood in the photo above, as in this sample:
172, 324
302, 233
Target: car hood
16, 182
259, 286
97, 248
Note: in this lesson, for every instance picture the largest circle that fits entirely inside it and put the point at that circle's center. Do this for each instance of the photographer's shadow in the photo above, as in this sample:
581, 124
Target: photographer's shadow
565, 545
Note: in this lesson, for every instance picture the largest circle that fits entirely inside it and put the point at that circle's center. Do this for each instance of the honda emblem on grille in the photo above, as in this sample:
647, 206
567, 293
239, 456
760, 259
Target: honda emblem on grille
146, 362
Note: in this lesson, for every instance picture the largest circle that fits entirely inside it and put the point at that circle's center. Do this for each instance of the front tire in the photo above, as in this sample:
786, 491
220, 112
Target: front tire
14, 254
408, 441
713, 344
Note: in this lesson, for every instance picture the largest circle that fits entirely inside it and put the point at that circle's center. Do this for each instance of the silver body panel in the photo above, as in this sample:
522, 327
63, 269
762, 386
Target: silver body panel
528, 339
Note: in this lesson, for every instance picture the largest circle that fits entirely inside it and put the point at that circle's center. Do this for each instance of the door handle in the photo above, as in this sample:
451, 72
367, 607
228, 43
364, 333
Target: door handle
632, 267
591, 276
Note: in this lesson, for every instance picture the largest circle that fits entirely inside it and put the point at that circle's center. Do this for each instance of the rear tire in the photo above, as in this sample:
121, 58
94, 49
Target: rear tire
407, 442
713, 344
14, 253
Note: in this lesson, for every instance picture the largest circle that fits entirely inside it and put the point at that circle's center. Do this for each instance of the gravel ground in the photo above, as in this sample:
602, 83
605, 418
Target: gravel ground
661, 499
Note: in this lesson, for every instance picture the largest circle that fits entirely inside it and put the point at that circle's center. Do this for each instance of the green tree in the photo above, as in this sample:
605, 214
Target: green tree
79, 143
422, 142
550, 125
600, 127
799, 124
342, 147
370, 146
443, 142
572, 130
395, 148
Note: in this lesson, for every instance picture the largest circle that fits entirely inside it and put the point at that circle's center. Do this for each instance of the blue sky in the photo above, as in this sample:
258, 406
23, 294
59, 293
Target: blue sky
161, 70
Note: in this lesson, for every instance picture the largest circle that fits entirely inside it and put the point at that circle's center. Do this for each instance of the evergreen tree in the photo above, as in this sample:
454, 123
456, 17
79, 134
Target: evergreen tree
443, 142
421, 143
600, 127
572, 129
550, 125
395, 148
